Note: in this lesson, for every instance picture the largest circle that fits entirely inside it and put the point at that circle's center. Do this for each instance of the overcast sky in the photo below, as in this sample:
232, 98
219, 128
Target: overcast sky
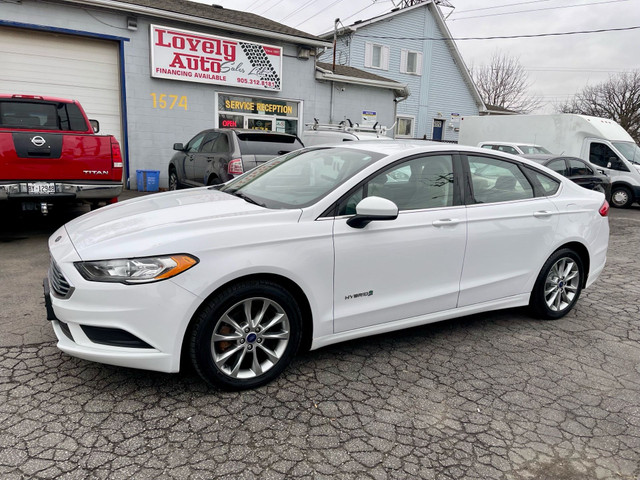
558, 66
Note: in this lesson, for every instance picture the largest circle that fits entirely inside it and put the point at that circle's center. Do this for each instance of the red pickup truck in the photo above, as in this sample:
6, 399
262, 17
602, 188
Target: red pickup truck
50, 153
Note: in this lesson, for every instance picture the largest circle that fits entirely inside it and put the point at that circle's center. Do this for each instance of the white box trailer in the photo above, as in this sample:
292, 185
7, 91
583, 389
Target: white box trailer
600, 141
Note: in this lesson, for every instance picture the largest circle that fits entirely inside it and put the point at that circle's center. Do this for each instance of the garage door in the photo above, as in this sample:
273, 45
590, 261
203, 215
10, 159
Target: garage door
66, 66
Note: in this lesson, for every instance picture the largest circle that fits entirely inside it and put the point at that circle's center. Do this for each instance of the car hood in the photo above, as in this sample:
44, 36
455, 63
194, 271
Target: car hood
150, 224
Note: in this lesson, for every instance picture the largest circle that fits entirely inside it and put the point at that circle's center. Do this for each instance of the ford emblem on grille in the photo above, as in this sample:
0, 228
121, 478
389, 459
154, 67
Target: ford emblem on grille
38, 141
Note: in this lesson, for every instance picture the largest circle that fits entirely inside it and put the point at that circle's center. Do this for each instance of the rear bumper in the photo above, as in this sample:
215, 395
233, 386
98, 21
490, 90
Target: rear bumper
64, 190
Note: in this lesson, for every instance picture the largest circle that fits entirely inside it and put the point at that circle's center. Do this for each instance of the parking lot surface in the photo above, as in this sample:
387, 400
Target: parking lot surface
491, 396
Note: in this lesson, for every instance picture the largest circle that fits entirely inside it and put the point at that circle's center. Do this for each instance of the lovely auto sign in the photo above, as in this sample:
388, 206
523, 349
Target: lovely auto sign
198, 57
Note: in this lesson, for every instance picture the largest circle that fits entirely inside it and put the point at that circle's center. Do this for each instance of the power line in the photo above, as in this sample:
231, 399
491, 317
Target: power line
504, 37
325, 8
297, 10
499, 6
539, 9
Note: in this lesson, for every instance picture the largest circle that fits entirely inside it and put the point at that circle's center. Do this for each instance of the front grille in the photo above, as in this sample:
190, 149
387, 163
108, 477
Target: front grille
60, 286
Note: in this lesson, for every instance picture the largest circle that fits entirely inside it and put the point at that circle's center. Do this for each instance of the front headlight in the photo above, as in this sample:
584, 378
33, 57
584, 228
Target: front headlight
136, 270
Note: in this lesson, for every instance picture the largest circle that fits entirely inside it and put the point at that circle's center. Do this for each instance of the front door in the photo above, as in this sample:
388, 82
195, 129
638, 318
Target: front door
397, 269
437, 129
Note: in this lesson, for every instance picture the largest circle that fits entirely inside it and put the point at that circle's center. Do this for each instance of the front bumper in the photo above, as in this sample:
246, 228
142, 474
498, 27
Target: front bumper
155, 315
64, 190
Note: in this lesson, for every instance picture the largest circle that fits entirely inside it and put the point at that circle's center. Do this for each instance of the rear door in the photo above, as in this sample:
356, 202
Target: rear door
511, 228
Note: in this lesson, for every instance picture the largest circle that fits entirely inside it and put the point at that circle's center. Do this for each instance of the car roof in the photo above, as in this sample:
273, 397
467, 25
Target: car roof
545, 158
247, 131
524, 144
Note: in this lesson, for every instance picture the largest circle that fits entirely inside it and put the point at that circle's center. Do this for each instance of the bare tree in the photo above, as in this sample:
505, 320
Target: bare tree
504, 83
617, 99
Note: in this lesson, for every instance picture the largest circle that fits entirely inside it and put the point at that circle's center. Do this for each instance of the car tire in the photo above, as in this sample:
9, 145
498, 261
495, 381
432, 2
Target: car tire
558, 285
174, 183
246, 335
621, 197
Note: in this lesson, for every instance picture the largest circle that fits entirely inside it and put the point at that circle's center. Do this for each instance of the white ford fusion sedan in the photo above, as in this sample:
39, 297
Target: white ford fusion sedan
319, 246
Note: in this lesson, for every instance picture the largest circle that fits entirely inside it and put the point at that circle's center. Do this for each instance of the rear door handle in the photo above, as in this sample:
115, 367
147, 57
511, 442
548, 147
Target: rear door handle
445, 222
542, 214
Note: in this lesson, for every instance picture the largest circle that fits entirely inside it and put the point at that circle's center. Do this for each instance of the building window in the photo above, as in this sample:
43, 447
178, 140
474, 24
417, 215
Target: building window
376, 56
411, 62
404, 127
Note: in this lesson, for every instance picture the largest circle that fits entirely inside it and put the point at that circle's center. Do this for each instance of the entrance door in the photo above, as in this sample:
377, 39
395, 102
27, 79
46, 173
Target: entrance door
259, 123
437, 129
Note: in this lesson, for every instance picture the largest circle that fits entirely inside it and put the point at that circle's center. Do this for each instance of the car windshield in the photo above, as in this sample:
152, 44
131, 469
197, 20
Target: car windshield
630, 150
301, 178
533, 149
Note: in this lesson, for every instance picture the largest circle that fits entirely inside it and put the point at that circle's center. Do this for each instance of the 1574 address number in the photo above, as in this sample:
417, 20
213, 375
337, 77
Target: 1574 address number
164, 100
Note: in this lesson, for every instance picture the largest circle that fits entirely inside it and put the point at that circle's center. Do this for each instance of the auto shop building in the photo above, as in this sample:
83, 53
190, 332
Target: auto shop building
154, 73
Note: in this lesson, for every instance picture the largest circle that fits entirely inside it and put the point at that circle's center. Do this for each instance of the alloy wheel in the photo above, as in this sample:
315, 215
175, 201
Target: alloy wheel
250, 338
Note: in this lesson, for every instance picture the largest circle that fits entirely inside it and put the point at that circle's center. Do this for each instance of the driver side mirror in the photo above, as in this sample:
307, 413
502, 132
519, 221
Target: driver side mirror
95, 125
178, 146
373, 208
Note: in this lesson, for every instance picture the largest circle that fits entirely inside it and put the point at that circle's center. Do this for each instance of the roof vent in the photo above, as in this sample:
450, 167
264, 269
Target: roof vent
215, 5
357, 22
395, 9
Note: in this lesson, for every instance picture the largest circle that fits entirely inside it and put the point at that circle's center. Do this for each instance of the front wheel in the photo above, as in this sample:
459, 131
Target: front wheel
558, 285
621, 197
174, 183
246, 335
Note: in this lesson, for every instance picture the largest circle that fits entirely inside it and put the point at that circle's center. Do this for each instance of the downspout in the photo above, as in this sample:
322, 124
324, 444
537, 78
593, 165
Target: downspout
331, 103
400, 96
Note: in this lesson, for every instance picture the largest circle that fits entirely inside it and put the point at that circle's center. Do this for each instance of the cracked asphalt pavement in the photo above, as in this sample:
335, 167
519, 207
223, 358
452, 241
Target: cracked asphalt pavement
491, 396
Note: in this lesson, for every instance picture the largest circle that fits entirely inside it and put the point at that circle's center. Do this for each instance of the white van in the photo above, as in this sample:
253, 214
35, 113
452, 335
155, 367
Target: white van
599, 141
321, 134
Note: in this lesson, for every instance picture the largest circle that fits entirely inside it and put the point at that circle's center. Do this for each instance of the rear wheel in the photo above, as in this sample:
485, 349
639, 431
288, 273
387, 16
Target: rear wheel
246, 335
621, 197
558, 285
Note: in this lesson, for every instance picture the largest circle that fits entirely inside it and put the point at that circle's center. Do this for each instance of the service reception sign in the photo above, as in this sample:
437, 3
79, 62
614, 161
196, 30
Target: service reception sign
197, 57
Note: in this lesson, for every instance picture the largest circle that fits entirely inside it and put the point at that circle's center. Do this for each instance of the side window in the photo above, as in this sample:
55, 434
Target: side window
495, 180
488, 147
222, 144
579, 168
208, 142
549, 185
558, 166
419, 183
194, 144
601, 155
507, 149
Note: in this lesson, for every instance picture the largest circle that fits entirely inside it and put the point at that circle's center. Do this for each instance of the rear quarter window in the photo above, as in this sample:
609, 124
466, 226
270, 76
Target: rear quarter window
265, 144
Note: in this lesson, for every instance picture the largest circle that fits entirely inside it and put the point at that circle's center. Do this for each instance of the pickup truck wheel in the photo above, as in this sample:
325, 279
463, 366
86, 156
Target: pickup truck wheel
174, 184
245, 336
621, 197
558, 285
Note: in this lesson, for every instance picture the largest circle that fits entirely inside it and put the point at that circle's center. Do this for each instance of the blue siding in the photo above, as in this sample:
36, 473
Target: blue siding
441, 89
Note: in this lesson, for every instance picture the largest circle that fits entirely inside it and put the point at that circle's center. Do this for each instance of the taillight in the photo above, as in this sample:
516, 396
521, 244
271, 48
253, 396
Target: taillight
235, 167
604, 209
116, 154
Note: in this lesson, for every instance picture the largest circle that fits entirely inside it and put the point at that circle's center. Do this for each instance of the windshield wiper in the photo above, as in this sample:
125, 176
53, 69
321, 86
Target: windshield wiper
247, 198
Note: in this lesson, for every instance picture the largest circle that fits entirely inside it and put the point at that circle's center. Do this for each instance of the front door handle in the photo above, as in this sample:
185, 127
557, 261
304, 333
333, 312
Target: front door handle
542, 214
446, 222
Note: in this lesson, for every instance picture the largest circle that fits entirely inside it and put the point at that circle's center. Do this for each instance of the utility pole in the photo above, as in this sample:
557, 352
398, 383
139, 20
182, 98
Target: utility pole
335, 42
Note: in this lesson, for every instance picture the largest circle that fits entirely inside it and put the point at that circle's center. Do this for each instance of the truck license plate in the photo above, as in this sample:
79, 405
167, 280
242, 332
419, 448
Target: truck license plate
41, 188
